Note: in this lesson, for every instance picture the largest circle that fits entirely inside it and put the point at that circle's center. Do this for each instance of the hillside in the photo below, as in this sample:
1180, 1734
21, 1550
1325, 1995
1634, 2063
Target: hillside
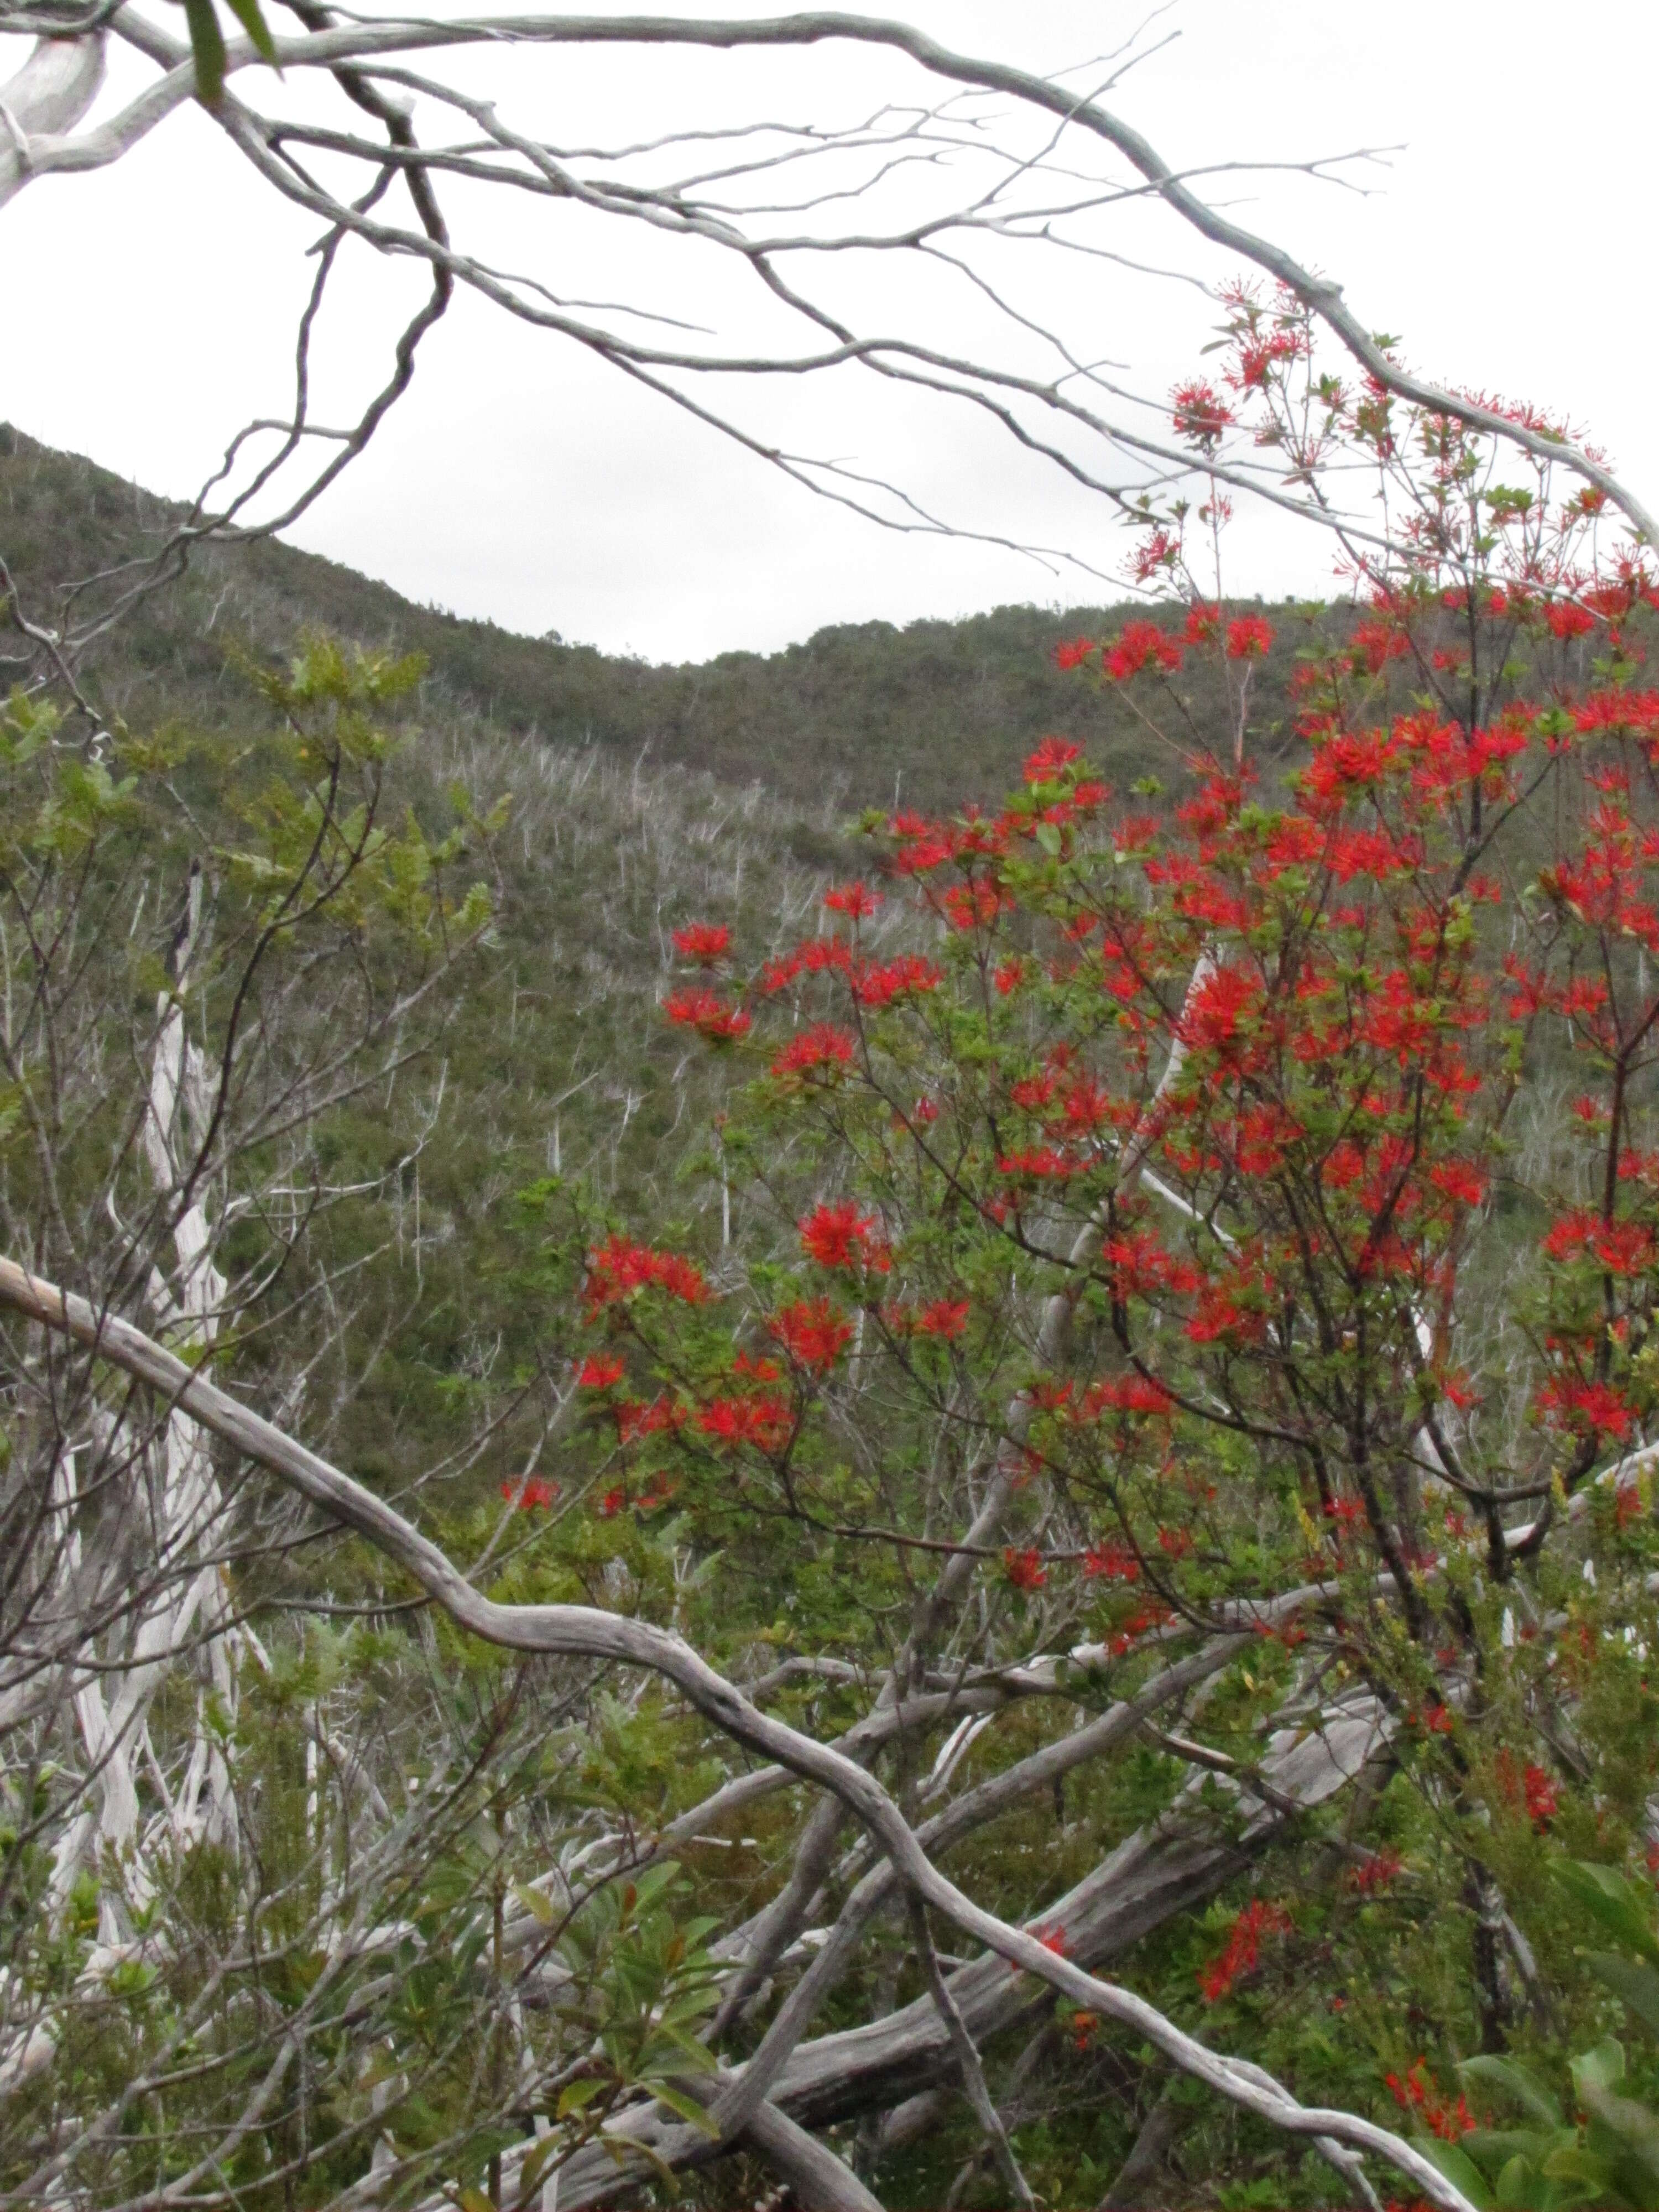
941, 712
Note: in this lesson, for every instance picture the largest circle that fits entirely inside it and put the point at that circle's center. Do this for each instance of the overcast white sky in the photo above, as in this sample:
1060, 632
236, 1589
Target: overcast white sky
1510, 243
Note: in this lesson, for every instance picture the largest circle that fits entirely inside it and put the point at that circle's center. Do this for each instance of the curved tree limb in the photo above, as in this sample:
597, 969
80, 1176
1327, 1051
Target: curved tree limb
573, 1630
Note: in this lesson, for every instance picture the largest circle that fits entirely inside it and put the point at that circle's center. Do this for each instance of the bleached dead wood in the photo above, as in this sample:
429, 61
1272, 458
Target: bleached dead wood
584, 1632
49, 95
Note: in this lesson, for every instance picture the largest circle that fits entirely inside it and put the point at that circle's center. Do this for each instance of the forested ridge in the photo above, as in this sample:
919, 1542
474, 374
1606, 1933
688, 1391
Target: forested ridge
944, 712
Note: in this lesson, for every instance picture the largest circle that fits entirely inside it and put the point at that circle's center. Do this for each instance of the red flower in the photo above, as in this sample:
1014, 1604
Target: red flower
599, 1372
1249, 638
1128, 1394
1115, 1561
840, 1236
1139, 645
1375, 1873
762, 1422
944, 1317
636, 1421
1375, 643
812, 1331
1024, 1569
1073, 652
1041, 1161
702, 941
617, 1269
1417, 2092
1566, 620
1007, 976
1201, 414
823, 1049
1243, 1950
969, 905
532, 1492
711, 1018
1212, 1015
1584, 1406
907, 976
1458, 1181
1542, 1804
1203, 624
1051, 757
855, 899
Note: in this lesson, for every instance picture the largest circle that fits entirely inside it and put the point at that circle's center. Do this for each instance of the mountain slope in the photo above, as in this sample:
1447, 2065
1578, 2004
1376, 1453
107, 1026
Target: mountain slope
939, 712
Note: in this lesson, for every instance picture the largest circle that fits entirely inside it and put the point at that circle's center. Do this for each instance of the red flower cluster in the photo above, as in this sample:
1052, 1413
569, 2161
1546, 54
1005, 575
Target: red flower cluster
1542, 1804
1242, 1951
636, 1421
1416, 2093
1531, 1789
1597, 1407
854, 900
1249, 638
822, 1050
840, 1237
617, 1269
945, 1318
712, 1018
1054, 755
1618, 1247
705, 942
1140, 645
908, 976
763, 1422
1113, 1560
1377, 1872
1127, 1394
1024, 1569
812, 1331
1041, 1163
1201, 414
599, 1371
533, 1493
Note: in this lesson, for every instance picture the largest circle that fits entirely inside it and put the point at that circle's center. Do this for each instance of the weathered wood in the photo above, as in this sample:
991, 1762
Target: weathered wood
49, 95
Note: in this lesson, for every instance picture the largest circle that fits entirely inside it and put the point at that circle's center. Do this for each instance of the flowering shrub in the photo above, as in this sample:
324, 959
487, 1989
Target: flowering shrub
1237, 1215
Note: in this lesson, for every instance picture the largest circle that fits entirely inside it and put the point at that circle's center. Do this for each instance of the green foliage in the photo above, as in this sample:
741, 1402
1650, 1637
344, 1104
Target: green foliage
1608, 2153
207, 42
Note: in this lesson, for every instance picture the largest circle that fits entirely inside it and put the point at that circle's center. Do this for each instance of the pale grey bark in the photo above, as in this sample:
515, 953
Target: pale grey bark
1326, 1761
49, 95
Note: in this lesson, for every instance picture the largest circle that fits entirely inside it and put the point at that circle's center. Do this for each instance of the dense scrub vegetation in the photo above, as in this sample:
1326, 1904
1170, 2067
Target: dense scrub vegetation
1127, 1311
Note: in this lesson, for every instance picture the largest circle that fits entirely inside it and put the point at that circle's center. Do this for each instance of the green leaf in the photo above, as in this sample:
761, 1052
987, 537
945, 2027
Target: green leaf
1513, 2079
246, 13
206, 43
1048, 836
535, 1904
474, 2200
533, 2172
677, 2101
695, 2054
1462, 2172
1636, 1987
576, 2094
1599, 2071
1575, 2164
1615, 1901
1516, 2186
